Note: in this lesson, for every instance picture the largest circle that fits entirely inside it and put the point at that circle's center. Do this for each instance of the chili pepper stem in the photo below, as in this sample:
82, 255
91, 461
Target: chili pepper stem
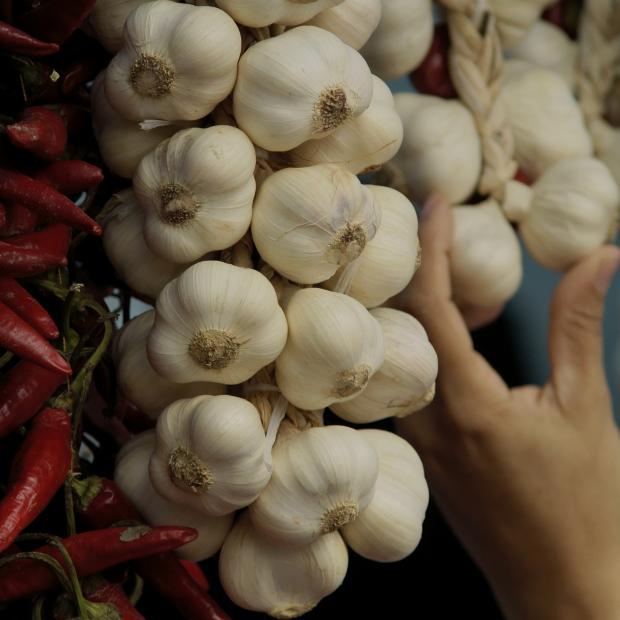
40, 557
37, 608
5, 358
137, 590
69, 505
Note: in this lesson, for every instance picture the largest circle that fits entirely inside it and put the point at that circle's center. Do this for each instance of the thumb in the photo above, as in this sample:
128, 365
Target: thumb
575, 333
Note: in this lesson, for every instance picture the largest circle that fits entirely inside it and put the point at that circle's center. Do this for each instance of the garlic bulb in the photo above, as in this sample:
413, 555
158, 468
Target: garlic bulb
389, 260
441, 149
405, 383
360, 144
259, 13
514, 19
319, 83
391, 527
545, 118
352, 21
209, 454
401, 40
282, 581
607, 146
322, 479
124, 245
131, 474
485, 259
549, 47
196, 190
334, 347
137, 380
216, 322
309, 221
177, 62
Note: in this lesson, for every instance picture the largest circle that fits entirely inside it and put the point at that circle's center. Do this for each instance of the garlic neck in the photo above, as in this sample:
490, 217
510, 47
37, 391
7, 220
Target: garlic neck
188, 472
178, 204
350, 382
292, 611
347, 244
213, 349
331, 109
517, 201
151, 76
337, 517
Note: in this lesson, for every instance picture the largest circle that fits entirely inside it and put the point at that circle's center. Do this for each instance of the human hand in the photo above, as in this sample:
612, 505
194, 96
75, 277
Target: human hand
528, 478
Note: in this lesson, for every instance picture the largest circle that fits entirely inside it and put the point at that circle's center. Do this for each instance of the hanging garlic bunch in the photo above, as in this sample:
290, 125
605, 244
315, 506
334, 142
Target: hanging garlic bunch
402, 38
196, 190
131, 474
259, 13
322, 479
309, 221
390, 528
389, 260
405, 382
280, 580
319, 84
441, 149
334, 347
514, 19
209, 454
360, 144
216, 322
177, 62
352, 21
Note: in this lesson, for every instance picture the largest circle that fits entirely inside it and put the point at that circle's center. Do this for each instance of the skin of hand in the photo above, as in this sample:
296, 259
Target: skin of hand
528, 478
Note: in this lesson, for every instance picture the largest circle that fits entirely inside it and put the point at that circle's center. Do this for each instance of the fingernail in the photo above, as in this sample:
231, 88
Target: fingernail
605, 273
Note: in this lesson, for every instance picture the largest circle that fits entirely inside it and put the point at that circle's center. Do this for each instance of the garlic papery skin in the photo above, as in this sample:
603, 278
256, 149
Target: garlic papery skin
544, 116
308, 222
131, 474
319, 84
259, 13
209, 454
352, 21
196, 190
390, 259
514, 19
405, 383
124, 245
441, 150
280, 580
137, 380
333, 349
390, 528
402, 38
177, 62
322, 479
361, 144
216, 322
485, 259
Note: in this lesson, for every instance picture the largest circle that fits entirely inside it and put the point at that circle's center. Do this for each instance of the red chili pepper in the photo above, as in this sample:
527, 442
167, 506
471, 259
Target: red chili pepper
78, 73
38, 471
16, 297
45, 200
91, 552
18, 42
17, 336
70, 176
99, 590
22, 262
40, 131
53, 240
196, 573
20, 220
24, 390
522, 177
4, 218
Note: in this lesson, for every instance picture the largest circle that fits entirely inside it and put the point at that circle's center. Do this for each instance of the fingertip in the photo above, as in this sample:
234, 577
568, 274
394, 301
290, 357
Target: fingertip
609, 262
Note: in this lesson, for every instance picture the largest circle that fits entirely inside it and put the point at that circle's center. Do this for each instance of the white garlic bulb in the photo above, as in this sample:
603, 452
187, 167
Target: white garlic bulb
544, 116
259, 13
216, 322
441, 149
391, 527
196, 190
319, 83
607, 146
360, 144
334, 347
177, 62
282, 581
209, 454
322, 479
485, 258
131, 474
514, 19
401, 40
137, 380
389, 260
352, 21
405, 383
309, 221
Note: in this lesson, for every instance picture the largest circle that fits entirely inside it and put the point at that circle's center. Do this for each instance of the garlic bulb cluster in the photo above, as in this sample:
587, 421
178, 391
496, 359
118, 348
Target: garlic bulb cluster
514, 19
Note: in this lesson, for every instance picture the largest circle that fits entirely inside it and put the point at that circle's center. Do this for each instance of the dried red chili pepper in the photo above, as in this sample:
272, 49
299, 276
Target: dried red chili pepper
16, 297
40, 131
91, 552
20, 262
196, 573
53, 240
78, 73
70, 176
38, 471
18, 42
20, 220
99, 590
4, 218
45, 200
20, 338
